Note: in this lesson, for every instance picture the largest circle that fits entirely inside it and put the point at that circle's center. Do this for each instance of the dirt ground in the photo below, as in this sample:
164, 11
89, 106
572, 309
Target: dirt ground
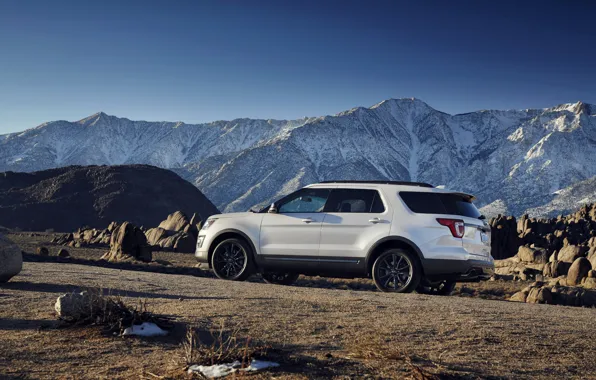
320, 328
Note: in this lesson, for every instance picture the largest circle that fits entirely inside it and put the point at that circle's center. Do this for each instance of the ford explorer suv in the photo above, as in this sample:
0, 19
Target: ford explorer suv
406, 236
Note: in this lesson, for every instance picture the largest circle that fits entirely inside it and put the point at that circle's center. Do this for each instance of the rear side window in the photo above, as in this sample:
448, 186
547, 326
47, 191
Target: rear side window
354, 201
437, 203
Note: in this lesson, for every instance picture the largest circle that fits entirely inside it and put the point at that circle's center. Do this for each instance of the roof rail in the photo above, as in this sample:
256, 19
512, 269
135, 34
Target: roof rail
401, 183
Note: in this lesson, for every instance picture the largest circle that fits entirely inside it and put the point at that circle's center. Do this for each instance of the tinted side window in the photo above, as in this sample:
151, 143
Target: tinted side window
305, 200
423, 203
436, 203
354, 201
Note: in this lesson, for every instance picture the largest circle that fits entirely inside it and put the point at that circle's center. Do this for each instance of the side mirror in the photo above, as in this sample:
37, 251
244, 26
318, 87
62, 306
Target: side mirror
272, 209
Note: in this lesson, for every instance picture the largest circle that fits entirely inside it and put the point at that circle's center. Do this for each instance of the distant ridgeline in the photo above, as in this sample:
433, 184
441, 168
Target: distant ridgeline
67, 198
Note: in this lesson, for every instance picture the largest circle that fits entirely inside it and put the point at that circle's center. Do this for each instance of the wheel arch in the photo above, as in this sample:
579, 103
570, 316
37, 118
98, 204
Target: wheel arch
392, 242
230, 233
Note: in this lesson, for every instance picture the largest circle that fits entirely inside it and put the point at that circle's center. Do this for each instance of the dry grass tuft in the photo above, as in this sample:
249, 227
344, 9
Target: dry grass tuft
222, 346
113, 314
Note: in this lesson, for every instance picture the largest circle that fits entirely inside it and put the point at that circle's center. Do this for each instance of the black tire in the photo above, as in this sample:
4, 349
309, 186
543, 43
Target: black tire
397, 271
437, 288
279, 278
232, 260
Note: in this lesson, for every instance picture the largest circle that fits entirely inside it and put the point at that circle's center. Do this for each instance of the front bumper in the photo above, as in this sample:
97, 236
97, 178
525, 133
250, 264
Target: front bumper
202, 249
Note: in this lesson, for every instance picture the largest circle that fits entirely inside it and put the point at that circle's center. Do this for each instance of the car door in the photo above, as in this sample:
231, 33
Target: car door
354, 220
293, 233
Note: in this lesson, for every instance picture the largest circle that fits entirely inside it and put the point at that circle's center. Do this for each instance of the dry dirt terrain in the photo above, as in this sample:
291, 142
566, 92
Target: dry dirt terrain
317, 329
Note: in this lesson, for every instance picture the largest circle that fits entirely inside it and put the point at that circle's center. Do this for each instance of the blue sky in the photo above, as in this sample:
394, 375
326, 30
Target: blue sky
198, 61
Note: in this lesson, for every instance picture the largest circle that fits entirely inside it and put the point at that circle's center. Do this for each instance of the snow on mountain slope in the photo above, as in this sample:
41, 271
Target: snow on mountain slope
567, 200
515, 158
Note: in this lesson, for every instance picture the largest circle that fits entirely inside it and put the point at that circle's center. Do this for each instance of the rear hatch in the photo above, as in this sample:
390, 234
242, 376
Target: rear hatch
476, 237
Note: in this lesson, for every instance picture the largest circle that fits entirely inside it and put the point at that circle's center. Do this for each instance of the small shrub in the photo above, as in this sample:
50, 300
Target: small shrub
225, 347
112, 313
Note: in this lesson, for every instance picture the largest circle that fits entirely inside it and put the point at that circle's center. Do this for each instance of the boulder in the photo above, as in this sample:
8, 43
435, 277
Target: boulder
76, 306
592, 256
540, 295
128, 242
185, 243
11, 259
532, 255
155, 235
63, 253
570, 253
589, 282
43, 251
578, 270
556, 269
519, 297
504, 239
175, 222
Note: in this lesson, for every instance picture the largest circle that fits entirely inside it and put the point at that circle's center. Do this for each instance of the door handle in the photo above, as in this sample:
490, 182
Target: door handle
375, 220
307, 220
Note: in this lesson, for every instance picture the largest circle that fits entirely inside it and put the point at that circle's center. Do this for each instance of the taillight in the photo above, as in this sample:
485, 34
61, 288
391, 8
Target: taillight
456, 226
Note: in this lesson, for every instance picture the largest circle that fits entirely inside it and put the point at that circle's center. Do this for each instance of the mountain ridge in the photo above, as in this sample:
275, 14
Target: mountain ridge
517, 156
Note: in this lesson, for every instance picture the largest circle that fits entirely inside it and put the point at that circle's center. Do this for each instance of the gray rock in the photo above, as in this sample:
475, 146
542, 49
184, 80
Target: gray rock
570, 253
578, 270
128, 243
75, 306
11, 259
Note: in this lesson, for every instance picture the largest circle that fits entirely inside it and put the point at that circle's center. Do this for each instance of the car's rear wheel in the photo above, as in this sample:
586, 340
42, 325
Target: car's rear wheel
396, 270
232, 260
280, 278
438, 288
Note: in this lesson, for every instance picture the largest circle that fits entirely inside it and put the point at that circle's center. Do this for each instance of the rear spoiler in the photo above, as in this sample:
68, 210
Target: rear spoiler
469, 197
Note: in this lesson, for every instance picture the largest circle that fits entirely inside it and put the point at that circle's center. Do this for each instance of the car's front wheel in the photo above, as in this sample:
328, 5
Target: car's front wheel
280, 278
231, 260
396, 270
438, 288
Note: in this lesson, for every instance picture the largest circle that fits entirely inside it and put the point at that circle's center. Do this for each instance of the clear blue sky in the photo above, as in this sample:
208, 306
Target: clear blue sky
199, 61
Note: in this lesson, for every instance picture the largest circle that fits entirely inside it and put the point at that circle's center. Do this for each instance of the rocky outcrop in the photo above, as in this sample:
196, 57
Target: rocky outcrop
128, 242
504, 241
87, 237
177, 233
553, 293
549, 246
11, 259
578, 271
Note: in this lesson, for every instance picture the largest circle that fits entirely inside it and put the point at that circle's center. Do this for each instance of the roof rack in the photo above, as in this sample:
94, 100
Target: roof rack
401, 183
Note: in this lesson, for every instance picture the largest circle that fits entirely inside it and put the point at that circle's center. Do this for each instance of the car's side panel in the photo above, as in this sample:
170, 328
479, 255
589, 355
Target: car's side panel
295, 234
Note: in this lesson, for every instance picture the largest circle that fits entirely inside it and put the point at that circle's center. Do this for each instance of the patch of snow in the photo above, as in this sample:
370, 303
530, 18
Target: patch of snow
145, 329
222, 370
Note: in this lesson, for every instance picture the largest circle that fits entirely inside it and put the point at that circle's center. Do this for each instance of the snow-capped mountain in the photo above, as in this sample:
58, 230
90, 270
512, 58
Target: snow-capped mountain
512, 160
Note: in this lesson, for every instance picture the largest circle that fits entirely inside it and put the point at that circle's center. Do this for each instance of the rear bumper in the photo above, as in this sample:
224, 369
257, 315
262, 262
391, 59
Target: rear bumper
459, 270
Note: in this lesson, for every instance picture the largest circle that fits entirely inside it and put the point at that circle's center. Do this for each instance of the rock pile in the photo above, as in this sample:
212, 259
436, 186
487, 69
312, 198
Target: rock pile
11, 259
87, 237
127, 243
556, 294
549, 234
176, 233
562, 247
504, 239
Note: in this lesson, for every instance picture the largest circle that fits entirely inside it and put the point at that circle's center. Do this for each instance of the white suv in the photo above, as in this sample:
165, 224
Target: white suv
407, 236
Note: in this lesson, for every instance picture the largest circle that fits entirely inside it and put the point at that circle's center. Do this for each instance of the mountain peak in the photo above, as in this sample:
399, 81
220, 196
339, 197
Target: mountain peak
93, 119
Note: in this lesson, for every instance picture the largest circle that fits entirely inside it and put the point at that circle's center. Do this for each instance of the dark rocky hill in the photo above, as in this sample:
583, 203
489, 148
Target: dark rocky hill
67, 198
